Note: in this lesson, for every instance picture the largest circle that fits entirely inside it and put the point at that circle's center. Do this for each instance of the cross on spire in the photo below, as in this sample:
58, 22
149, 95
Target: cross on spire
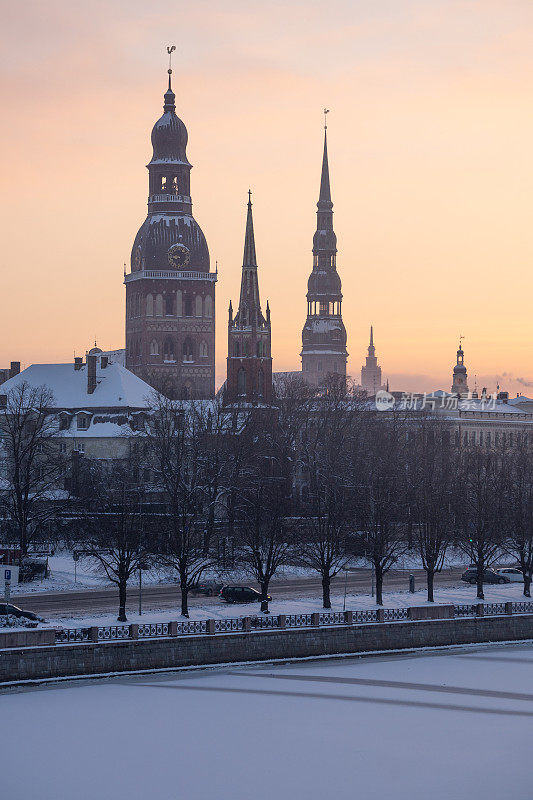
170, 50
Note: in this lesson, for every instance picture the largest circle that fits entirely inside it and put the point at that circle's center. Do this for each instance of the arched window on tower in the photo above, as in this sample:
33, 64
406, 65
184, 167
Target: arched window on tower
208, 306
241, 381
168, 350
154, 348
159, 305
179, 309
260, 383
198, 305
203, 349
236, 349
188, 356
174, 185
149, 305
188, 308
169, 304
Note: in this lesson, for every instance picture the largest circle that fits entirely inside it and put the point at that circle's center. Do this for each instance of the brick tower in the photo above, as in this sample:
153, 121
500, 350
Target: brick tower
170, 292
324, 335
249, 377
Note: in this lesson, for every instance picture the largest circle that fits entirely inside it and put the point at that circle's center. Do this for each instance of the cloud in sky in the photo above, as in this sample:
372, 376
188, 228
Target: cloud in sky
430, 154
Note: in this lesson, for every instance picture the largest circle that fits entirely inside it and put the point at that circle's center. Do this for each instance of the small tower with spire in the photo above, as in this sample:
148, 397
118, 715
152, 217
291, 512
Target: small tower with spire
371, 371
460, 377
249, 373
324, 335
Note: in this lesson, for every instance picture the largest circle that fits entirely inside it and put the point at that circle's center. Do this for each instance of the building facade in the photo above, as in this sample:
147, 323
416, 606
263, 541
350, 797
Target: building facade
324, 335
249, 363
170, 290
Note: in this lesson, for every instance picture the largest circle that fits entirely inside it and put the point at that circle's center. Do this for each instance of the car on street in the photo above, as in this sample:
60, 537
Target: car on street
513, 573
14, 611
489, 576
241, 594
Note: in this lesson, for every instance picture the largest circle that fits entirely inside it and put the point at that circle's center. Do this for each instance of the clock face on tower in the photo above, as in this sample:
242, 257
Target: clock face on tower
178, 255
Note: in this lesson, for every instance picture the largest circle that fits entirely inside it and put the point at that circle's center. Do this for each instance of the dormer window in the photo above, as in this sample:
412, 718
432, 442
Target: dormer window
83, 422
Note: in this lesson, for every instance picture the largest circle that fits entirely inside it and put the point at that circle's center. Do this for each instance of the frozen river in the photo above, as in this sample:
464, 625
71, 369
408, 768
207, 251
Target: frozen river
454, 725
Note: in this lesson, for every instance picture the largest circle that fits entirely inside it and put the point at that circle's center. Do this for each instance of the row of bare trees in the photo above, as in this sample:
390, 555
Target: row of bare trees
315, 481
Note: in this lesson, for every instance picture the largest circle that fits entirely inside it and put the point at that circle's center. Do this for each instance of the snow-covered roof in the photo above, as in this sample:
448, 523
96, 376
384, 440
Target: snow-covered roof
116, 386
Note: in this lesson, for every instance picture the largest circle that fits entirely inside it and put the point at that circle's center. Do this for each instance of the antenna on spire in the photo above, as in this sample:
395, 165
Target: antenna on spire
326, 111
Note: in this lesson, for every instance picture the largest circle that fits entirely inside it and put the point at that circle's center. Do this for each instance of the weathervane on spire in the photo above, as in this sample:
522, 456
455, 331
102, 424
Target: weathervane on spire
170, 50
249, 196
326, 111
461, 342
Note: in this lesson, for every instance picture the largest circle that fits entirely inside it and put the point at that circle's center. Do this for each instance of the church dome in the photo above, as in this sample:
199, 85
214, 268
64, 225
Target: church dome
459, 368
169, 134
325, 282
159, 232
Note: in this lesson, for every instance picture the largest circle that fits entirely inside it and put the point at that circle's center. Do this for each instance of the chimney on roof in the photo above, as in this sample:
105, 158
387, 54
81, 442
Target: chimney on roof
14, 369
503, 396
91, 374
78, 362
104, 361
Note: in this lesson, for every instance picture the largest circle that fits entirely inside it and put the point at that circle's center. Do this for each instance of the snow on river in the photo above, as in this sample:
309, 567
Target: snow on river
442, 726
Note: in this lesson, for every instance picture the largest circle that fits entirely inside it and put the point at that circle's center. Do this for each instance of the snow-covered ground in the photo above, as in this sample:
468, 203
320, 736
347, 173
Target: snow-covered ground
453, 595
456, 725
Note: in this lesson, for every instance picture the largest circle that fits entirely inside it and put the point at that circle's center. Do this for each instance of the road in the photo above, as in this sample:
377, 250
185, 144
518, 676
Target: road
60, 604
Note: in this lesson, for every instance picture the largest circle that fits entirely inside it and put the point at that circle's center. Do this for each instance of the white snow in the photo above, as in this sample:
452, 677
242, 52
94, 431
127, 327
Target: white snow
116, 386
450, 726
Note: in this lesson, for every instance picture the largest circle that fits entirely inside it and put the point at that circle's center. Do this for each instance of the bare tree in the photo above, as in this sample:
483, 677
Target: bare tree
380, 492
432, 480
112, 527
479, 508
324, 452
518, 511
175, 439
33, 465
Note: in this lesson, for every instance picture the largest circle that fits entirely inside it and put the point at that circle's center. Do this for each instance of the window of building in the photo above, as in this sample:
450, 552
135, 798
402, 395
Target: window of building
154, 348
174, 185
169, 305
159, 305
203, 349
149, 305
188, 357
261, 383
198, 304
188, 308
83, 422
62, 447
179, 304
236, 349
168, 349
79, 447
208, 306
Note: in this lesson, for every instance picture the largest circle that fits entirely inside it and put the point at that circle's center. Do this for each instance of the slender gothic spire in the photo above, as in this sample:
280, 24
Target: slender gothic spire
371, 336
325, 191
249, 259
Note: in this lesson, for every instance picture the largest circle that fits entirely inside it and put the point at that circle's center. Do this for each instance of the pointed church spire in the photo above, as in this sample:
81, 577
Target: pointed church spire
371, 336
249, 259
325, 191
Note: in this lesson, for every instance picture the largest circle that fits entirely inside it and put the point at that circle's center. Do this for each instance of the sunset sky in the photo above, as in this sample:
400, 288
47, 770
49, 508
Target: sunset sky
430, 143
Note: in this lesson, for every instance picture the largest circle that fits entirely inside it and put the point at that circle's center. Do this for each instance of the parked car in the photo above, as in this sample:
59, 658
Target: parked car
207, 589
15, 611
489, 576
513, 573
241, 594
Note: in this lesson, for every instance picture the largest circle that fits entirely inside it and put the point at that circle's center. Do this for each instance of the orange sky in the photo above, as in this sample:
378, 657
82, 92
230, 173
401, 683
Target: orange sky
430, 141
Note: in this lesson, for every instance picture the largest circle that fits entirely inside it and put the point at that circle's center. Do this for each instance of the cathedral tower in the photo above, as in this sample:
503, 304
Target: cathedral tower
249, 376
170, 292
460, 377
371, 371
324, 334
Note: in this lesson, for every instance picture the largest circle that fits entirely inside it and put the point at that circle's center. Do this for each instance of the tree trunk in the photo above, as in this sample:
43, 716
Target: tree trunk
527, 585
122, 600
430, 580
326, 585
379, 586
264, 598
480, 593
184, 601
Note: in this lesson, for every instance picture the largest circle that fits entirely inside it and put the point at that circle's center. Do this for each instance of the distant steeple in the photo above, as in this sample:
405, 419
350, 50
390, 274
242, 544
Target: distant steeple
460, 377
371, 348
249, 259
371, 371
